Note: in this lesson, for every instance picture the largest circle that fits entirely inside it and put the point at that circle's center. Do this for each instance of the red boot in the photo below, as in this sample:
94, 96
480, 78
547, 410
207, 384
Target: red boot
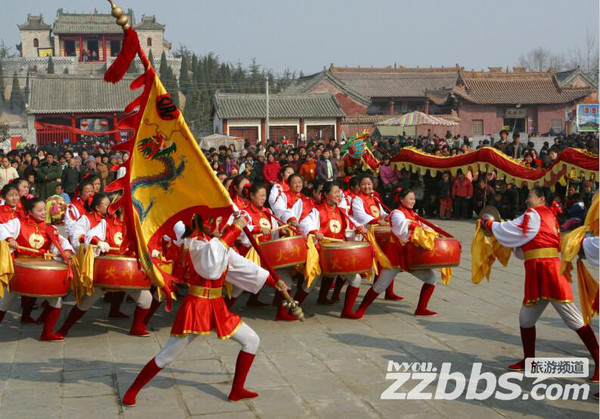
253, 301
337, 290
366, 302
74, 315
44, 313
351, 294
48, 334
146, 374
282, 311
300, 295
528, 340
426, 293
326, 283
27, 303
390, 295
153, 307
242, 366
586, 333
138, 328
115, 306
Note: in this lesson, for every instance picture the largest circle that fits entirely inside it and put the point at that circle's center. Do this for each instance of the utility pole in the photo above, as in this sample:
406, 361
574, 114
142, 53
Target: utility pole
267, 118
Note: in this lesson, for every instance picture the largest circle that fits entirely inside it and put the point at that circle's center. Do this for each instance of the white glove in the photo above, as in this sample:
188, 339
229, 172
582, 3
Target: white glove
155, 254
104, 247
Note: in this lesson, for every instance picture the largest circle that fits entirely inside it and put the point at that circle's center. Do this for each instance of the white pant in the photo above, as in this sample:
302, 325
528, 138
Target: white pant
353, 281
569, 312
386, 276
174, 347
143, 298
9, 297
284, 274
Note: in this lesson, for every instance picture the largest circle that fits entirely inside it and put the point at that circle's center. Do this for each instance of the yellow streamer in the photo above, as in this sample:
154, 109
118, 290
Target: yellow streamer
7, 269
380, 256
312, 269
424, 238
588, 288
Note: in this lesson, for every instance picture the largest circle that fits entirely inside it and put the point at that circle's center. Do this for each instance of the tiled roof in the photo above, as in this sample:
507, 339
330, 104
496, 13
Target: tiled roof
77, 94
149, 23
307, 83
238, 106
514, 88
395, 82
566, 78
92, 23
34, 23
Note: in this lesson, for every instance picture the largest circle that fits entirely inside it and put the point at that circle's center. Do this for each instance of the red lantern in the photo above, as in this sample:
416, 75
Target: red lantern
104, 123
84, 124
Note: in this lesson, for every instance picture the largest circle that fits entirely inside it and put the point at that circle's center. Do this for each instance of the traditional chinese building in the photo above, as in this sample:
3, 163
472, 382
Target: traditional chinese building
92, 37
314, 116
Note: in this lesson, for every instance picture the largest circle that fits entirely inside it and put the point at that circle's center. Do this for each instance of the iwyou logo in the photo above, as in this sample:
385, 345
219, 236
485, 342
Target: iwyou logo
480, 385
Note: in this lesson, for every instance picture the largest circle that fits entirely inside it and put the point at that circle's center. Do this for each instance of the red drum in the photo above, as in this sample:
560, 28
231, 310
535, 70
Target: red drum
445, 253
119, 272
383, 237
285, 252
345, 258
35, 277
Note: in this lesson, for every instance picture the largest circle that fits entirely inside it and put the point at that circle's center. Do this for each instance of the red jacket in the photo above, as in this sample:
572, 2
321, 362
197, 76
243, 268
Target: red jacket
462, 189
271, 171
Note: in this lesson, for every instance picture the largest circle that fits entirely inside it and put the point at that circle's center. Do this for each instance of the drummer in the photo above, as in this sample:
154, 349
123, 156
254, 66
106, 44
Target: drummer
106, 233
325, 221
76, 209
237, 191
11, 208
31, 237
403, 220
279, 206
293, 202
367, 209
264, 226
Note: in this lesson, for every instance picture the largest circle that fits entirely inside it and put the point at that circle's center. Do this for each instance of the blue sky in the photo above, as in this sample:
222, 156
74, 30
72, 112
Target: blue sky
310, 34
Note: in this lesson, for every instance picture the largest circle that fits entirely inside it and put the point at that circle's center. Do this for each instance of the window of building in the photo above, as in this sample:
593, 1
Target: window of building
36, 43
477, 127
149, 42
557, 126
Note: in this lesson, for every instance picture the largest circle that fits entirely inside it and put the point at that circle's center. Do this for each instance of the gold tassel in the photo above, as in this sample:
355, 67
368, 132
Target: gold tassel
312, 269
588, 288
7, 268
446, 275
380, 256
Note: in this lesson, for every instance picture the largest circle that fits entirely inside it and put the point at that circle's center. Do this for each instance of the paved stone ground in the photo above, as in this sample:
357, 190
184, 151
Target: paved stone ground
325, 367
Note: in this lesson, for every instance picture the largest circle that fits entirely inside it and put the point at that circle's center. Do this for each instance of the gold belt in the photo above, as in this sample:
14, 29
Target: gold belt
205, 292
543, 253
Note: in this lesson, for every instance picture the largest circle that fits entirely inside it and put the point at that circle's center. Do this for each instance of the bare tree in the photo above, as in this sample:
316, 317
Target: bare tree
540, 59
586, 56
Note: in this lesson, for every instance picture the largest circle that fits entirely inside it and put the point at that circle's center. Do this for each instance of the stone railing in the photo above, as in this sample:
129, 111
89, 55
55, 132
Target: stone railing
20, 65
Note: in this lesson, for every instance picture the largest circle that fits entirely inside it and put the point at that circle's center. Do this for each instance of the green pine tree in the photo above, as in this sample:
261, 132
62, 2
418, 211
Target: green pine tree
164, 66
26, 89
132, 68
151, 58
66, 70
2, 100
184, 75
50, 68
17, 101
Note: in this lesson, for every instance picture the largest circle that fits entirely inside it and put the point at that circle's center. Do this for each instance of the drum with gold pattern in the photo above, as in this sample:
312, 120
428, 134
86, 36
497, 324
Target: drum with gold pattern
36, 277
119, 272
445, 253
285, 252
345, 258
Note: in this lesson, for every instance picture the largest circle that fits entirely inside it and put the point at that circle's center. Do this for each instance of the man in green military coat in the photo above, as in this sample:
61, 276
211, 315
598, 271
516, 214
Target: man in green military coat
48, 176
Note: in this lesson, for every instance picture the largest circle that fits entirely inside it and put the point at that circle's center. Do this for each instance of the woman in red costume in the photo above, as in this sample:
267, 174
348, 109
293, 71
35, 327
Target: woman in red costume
212, 262
32, 231
293, 202
279, 206
237, 191
328, 220
106, 233
535, 237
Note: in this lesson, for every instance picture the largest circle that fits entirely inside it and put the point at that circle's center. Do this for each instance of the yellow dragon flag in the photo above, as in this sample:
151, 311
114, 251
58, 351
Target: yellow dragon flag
167, 178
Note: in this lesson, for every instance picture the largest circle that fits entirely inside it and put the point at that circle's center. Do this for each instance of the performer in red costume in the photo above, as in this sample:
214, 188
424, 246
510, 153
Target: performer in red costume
331, 221
367, 209
106, 233
292, 203
203, 309
32, 231
535, 237
279, 205
403, 221
237, 191
76, 209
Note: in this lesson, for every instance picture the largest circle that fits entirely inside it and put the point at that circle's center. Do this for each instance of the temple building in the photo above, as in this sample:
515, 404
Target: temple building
91, 37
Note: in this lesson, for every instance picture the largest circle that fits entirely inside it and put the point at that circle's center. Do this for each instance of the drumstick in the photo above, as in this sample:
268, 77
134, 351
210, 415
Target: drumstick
275, 229
28, 249
332, 239
115, 249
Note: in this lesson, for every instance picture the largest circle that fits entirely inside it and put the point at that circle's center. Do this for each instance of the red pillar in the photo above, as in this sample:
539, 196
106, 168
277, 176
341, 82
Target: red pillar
80, 48
116, 127
263, 130
225, 132
338, 128
104, 48
302, 127
74, 125
426, 107
392, 108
